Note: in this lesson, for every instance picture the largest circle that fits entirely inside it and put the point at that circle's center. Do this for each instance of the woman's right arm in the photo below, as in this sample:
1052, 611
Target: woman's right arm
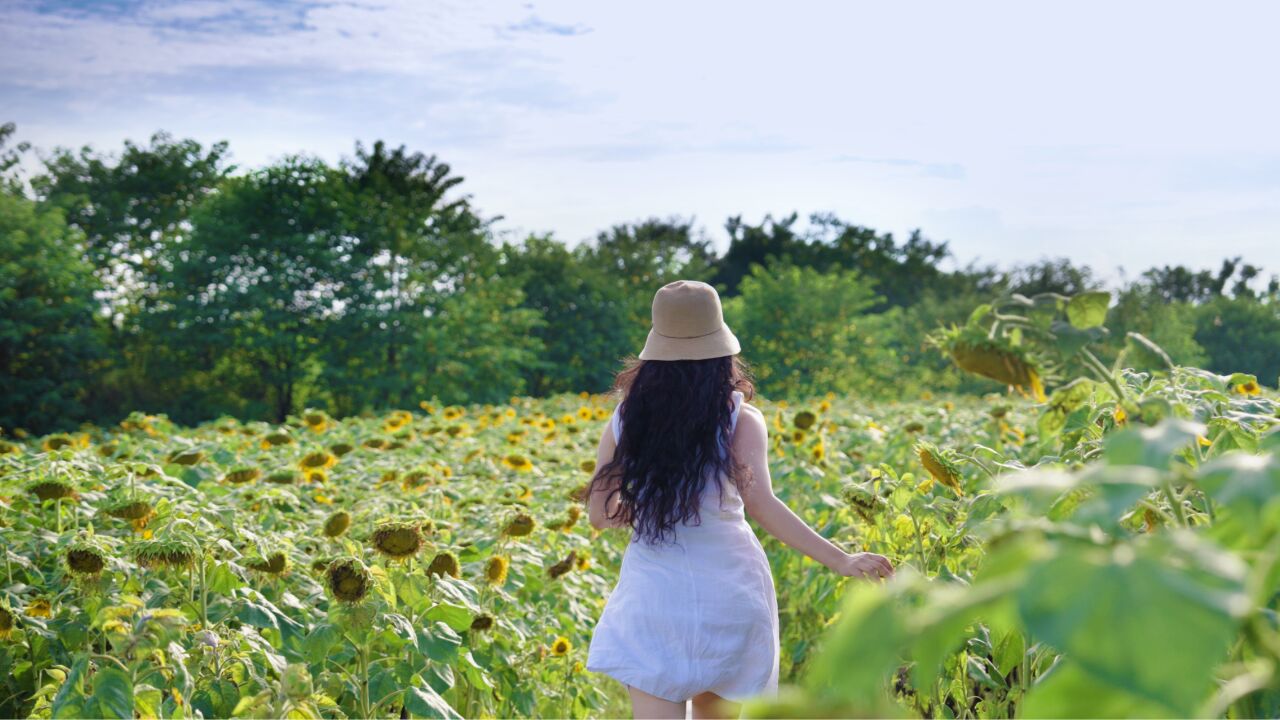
599, 507
751, 446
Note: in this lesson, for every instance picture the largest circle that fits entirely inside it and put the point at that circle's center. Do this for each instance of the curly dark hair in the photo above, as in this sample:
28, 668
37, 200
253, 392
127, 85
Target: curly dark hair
675, 413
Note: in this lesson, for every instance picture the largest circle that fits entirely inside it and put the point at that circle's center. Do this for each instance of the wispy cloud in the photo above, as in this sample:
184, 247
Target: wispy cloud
946, 171
535, 24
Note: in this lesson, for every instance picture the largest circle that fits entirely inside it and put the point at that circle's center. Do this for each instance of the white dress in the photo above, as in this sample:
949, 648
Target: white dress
695, 616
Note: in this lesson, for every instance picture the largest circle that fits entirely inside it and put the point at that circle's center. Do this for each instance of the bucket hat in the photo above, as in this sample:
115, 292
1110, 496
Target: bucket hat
688, 324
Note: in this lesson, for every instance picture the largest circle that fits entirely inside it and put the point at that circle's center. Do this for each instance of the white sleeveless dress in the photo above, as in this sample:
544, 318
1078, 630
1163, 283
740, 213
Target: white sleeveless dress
696, 615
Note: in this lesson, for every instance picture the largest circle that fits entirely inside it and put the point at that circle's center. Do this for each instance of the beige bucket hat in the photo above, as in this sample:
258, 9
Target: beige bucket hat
688, 324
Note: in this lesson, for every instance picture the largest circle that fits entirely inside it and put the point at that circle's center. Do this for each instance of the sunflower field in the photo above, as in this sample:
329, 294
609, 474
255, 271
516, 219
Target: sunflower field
1083, 541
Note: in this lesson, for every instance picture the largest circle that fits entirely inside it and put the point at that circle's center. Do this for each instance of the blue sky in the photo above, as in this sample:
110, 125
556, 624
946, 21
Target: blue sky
1119, 134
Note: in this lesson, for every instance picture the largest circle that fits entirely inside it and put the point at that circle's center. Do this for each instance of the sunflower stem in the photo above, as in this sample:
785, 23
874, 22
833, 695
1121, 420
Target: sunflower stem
1093, 363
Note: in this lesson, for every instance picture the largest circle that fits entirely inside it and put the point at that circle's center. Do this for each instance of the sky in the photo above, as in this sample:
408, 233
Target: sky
1122, 135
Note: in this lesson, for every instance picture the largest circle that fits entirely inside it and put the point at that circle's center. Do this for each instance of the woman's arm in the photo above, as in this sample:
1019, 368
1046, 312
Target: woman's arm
602, 487
751, 446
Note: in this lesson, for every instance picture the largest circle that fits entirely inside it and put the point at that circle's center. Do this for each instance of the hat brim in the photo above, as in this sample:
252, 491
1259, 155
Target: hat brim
720, 343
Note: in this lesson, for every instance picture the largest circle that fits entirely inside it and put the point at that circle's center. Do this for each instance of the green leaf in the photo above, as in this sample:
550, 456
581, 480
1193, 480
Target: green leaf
1153, 447
1088, 309
113, 692
425, 702
70, 700
1154, 619
862, 649
1066, 691
1242, 480
455, 616
147, 701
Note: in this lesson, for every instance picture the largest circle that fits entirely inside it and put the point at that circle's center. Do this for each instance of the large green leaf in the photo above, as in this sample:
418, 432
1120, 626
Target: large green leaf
113, 692
1088, 309
1153, 447
423, 701
1066, 691
862, 649
1153, 619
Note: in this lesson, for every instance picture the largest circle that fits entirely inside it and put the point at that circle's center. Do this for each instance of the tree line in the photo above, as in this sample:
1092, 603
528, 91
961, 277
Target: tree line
163, 278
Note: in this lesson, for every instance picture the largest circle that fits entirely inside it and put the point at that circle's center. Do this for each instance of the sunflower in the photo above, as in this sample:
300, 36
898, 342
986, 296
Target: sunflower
375, 443
1004, 364
337, 524
280, 437
52, 489
6, 622
804, 419
277, 563
445, 563
1248, 387
564, 566
242, 475
8, 448
85, 559
561, 646
131, 509
341, 449
397, 540
319, 477
176, 553
482, 623
519, 463
57, 442
317, 422
521, 525
319, 460
348, 580
453, 412
942, 465
427, 407
495, 569
40, 607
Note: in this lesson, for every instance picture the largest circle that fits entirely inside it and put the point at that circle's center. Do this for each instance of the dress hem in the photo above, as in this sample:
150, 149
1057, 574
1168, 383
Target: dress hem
621, 676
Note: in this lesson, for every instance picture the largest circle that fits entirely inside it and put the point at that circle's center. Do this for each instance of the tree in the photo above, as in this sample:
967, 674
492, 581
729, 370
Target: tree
48, 334
260, 281
800, 329
1241, 335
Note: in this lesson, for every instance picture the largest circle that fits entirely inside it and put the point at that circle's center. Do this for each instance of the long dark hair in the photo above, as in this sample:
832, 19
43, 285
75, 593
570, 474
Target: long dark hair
675, 414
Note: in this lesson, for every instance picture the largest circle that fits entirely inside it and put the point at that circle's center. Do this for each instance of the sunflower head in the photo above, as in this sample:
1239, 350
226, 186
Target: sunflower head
132, 509
7, 621
564, 566
52, 489
804, 419
1006, 364
348, 580
8, 448
276, 563
319, 460
397, 540
561, 646
445, 563
516, 462
940, 464
482, 623
57, 442
337, 524
278, 438
173, 553
86, 559
521, 525
495, 569
241, 476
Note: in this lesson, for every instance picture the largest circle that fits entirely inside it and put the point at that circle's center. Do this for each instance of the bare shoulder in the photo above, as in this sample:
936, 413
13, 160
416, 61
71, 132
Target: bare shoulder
752, 420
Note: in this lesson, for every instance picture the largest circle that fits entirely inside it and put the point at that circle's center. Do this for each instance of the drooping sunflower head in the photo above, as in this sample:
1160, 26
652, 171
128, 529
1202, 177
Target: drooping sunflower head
275, 563
130, 508
445, 563
52, 488
495, 569
337, 524
397, 540
241, 476
482, 623
85, 559
520, 525
7, 621
804, 419
341, 449
941, 465
564, 566
1005, 363
173, 553
348, 580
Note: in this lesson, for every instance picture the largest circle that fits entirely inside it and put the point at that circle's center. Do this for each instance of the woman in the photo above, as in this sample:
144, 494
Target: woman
682, 463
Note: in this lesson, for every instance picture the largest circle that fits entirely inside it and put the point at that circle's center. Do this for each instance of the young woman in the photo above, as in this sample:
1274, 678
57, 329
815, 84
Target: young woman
682, 463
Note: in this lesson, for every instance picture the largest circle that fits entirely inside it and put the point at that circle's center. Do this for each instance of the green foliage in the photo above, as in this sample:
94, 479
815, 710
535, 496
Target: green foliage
48, 337
800, 329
